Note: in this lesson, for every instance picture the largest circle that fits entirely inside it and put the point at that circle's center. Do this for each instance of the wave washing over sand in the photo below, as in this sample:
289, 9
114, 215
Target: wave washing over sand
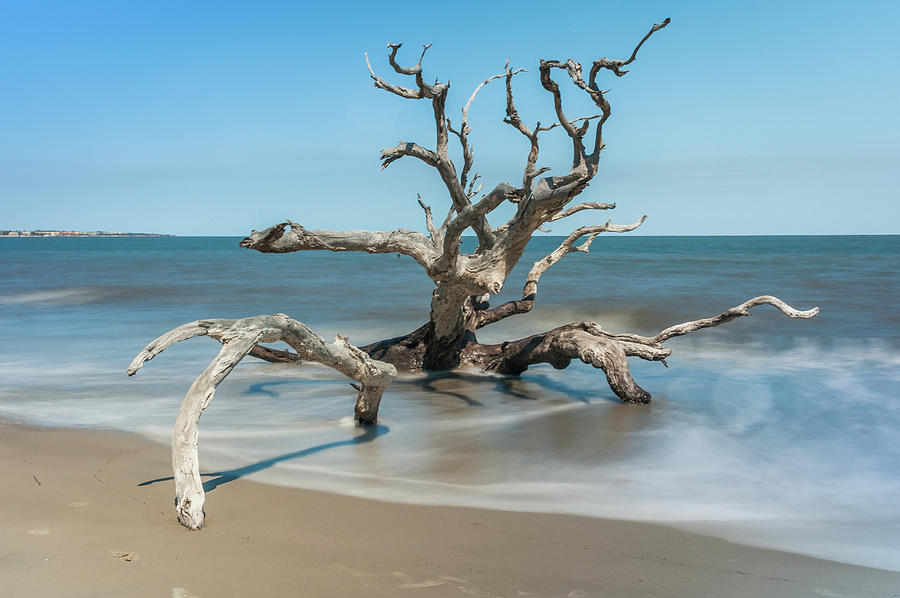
771, 432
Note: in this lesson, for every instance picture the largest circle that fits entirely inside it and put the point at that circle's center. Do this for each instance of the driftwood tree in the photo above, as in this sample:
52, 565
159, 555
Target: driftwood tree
464, 282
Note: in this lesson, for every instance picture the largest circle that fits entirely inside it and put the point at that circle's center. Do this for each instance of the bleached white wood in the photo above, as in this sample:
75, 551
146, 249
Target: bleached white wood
238, 338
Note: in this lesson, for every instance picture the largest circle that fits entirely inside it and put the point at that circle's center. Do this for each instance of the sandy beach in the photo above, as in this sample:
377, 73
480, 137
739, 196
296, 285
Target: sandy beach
77, 522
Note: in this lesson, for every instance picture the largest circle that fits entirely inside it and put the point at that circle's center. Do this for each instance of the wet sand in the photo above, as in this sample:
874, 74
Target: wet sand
76, 522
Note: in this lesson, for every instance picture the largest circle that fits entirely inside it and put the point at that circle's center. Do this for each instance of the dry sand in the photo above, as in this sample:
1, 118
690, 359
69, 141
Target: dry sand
75, 522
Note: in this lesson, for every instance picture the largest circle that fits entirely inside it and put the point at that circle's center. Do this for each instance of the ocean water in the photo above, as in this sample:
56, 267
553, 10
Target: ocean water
768, 431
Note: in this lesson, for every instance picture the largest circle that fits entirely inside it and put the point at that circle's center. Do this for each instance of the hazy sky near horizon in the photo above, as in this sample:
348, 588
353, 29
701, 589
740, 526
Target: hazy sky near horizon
219, 117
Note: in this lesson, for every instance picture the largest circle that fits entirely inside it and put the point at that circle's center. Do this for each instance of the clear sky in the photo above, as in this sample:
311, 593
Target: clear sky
218, 117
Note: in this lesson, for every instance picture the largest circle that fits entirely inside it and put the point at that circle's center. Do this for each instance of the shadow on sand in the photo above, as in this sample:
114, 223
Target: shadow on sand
223, 477
462, 385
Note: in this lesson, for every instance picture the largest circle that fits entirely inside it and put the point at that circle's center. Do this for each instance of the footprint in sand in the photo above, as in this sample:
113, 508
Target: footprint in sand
125, 556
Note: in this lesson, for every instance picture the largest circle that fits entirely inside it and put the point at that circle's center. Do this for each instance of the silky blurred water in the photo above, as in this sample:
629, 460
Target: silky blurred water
769, 431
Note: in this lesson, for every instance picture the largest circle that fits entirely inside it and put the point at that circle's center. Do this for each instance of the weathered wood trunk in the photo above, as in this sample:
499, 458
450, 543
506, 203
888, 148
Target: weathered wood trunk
439, 343
451, 327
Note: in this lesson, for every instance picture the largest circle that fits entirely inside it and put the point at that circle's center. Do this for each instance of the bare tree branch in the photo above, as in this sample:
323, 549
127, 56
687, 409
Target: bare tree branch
414, 70
403, 92
568, 246
238, 338
598, 96
274, 355
543, 200
591, 205
726, 316
529, 292
616, 65
464, 130
448, 219
424, 90
582, 119
550, 85
590, 343
407, 148
472, 191
279, 239
440, 157
579, 170
429, 221
464, 219
731, 314
560, 346
513, 118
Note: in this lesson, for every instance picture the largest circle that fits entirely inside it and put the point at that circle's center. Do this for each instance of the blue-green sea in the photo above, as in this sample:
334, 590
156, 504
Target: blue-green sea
768, 431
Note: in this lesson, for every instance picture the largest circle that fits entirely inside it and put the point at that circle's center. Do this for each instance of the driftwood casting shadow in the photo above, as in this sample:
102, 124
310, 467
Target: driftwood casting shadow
508, 385
223, 477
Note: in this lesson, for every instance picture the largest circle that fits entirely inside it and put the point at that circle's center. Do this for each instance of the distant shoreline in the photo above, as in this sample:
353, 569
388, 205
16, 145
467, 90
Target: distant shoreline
40, 234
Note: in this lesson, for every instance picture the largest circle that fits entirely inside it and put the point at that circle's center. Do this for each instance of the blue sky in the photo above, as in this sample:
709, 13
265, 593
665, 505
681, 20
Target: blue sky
217, 117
